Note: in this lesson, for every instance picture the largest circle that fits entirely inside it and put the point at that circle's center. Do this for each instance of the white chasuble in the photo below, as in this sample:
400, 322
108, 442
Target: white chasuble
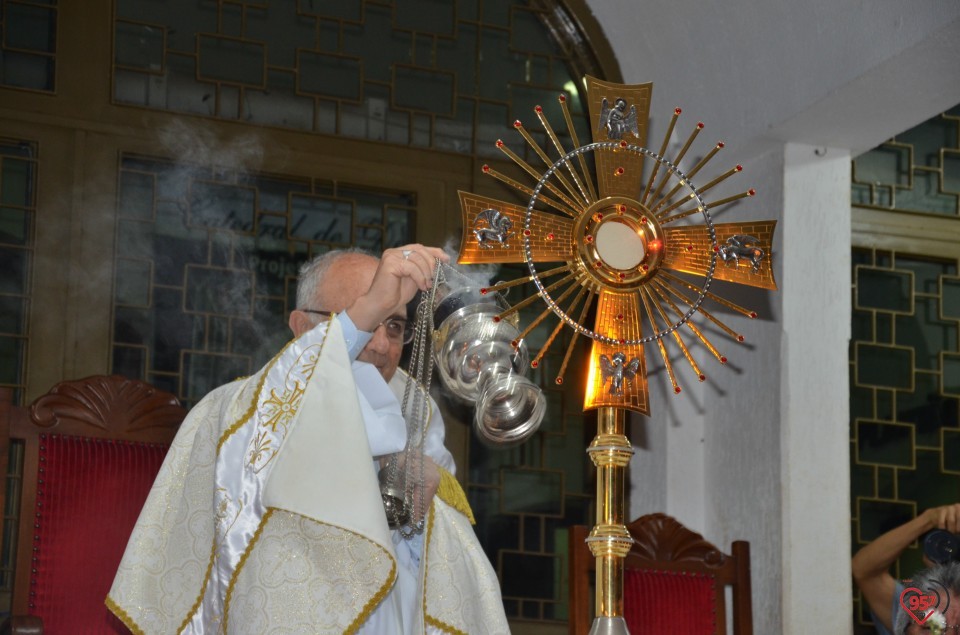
266, 517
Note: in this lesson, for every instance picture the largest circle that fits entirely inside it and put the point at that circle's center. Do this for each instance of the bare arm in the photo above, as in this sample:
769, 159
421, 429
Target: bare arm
871, 565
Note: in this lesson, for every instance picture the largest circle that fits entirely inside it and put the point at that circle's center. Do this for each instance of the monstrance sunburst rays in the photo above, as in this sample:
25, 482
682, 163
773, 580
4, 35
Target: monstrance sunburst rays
619, 240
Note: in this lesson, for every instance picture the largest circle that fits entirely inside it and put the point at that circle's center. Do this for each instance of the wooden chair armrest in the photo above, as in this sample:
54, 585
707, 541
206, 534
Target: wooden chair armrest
22, 625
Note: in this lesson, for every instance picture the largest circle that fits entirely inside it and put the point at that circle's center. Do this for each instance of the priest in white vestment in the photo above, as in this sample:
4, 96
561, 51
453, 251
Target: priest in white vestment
266, 516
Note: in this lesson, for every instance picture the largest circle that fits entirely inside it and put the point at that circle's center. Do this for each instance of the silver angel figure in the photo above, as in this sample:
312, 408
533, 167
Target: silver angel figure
617, 119
617, 371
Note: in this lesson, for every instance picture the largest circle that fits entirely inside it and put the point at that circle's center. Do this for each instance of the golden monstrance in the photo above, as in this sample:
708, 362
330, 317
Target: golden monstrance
613, 224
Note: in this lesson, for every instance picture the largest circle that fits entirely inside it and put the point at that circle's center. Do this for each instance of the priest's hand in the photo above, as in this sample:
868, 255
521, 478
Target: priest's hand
401, 273
426, 482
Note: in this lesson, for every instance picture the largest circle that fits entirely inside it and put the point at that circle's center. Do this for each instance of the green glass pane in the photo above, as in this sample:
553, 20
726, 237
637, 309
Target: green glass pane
136, 195
13, 315
860, 195
222, 206
341, 9
951, 374
369, 212
217, 335
566, 452
883, 289
951, 450
456, 134
231, 19
492, 126
498, 66
184, 93
526, 99
328, 36
129, 361
926, 273
369, 238
272, 193
132, 285
926, 334
273, 268
884, 443
132, 325
485, 463
528, 33
16, 182
223, 59
139, 46
927, 484
202, 373
424, 90
218, 291
401, 226
467, 10
925, 195
459, 55
927, 139
532, 492
425, 16
272, 232
26, 70
879, 516
15, 226
884, 366
330, 75
883, 196
951, 171
14, 263
886, 482
884, 328
530, 576
30, 28
497, 13
950, 298
134, 239
392, 45
862, 325
11, 352
173, 253
861, 402
321, 218
927, 409
22, 149
278, 105
888, 165
885, 408
861, 480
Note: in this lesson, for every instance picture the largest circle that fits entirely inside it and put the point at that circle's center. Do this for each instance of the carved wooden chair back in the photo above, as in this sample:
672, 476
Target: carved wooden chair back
91, 449
674, 581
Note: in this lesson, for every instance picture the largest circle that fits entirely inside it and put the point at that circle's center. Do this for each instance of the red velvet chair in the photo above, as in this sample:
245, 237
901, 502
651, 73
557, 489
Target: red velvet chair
674, 581
91, 449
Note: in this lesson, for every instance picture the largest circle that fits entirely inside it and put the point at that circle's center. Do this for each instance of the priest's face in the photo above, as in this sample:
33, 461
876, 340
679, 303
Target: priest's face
346, 280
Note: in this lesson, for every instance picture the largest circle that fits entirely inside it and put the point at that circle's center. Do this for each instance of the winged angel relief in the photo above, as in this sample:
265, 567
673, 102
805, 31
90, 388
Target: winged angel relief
621, 242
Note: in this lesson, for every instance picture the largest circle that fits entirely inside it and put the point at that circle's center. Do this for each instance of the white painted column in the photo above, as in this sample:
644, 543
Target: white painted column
814, 410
